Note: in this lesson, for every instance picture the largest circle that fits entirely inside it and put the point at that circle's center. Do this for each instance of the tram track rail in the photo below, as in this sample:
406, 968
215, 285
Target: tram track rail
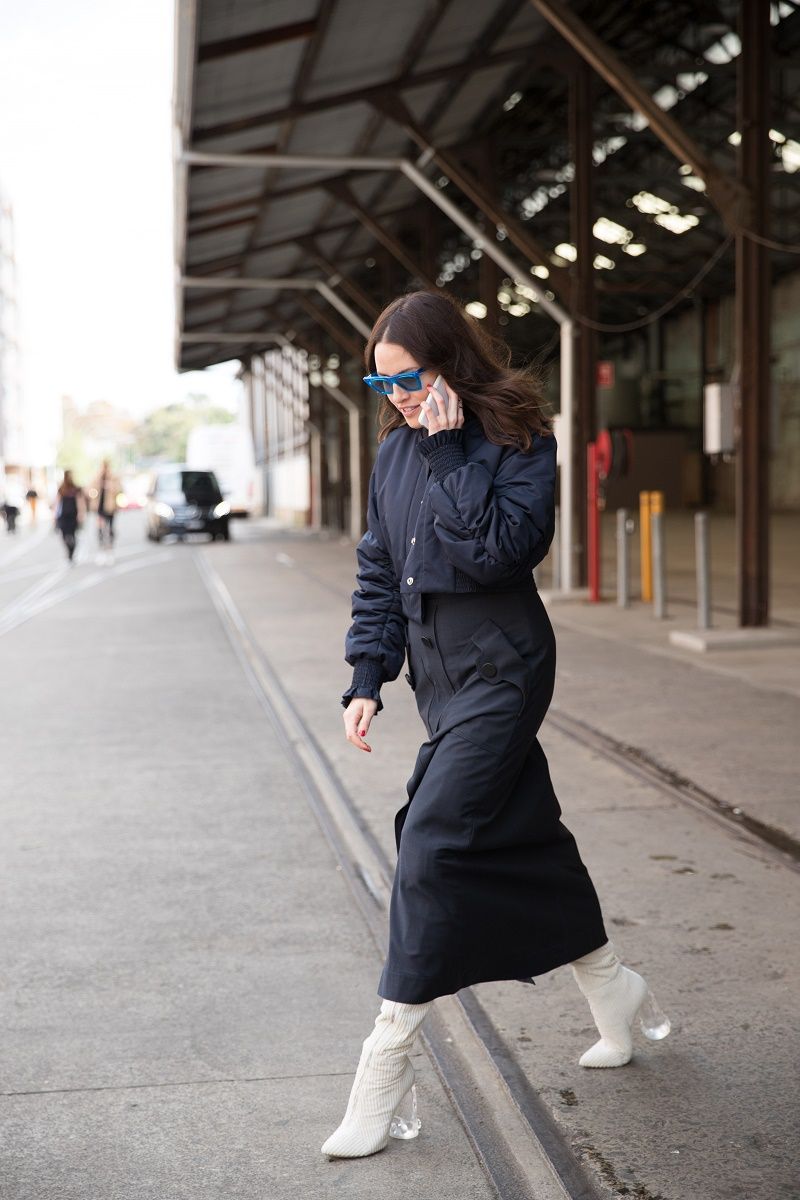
636, 761
639, 763
46, 593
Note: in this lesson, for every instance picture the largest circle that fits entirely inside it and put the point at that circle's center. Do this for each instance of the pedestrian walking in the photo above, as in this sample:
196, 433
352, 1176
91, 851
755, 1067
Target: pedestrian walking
489, 884
32, 496
104, 492
12, 504
70, 512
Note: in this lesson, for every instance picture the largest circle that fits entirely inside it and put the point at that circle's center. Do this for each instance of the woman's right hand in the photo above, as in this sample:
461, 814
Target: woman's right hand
357, 717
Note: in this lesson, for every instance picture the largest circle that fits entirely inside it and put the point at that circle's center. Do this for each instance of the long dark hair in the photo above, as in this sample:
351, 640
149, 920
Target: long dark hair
435, 329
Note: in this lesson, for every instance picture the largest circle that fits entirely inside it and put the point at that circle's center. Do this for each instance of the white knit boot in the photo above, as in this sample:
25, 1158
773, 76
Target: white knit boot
383, 1078
616, 995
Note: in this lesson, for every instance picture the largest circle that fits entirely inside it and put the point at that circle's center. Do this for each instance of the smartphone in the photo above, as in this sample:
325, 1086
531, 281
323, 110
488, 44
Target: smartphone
438, 386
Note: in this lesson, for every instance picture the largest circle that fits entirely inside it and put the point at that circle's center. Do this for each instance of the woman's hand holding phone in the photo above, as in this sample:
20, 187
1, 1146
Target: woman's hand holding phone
442, 408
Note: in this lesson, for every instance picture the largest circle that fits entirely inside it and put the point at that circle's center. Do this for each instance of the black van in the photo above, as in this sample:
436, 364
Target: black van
182, 500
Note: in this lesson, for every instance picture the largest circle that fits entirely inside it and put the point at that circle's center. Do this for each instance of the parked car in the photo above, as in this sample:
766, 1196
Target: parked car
182, 500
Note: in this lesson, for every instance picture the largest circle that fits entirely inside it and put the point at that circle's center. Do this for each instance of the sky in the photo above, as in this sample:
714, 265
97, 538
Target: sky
86, 163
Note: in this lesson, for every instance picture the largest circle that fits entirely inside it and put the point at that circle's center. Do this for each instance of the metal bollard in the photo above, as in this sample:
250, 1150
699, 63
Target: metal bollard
702, 555
659, 564
555, 554
623, 560
645, 547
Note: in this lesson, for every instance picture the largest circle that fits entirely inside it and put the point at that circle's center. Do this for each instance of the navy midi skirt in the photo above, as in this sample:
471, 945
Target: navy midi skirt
489, 883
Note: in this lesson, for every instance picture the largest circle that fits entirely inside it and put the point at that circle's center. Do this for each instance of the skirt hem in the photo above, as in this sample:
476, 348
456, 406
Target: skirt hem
405, 988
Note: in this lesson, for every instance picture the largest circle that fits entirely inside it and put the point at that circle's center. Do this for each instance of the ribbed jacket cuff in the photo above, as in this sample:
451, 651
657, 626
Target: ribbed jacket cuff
367, 679
444, 451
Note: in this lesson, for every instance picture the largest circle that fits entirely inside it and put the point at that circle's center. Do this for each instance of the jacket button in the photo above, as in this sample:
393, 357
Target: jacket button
413, 540
410, 579
426, 641
488, 670
408, 679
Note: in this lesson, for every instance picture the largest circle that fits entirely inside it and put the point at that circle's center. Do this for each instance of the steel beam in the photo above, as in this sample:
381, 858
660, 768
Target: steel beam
255, 41
226, 338
339, 162
291, 283
583, 291
752, 318
183, 90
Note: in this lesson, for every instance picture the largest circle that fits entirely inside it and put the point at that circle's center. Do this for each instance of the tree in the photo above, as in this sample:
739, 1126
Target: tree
164, 432
72, 456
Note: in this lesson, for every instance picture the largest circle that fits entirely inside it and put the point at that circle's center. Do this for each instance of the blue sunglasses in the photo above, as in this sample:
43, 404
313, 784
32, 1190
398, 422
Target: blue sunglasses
409, 381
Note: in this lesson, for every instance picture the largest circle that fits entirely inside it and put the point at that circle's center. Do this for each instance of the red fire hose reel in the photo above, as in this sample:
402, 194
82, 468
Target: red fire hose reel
608, 457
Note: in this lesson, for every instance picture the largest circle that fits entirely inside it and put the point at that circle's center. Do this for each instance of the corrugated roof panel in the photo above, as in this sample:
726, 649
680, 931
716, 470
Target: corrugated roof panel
458, 30
292, 215
333, 131
364, 44
391, 189
213, 185
220, 20
229, 88
206, 310
280, 260
207, 247
472, 99
526, 27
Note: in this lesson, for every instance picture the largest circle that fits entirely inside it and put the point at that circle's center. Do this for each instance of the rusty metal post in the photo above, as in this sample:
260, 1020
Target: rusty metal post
583, 301
753, 320
489, 275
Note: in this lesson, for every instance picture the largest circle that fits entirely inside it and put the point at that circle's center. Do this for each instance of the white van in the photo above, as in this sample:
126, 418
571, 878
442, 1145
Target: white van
227, 450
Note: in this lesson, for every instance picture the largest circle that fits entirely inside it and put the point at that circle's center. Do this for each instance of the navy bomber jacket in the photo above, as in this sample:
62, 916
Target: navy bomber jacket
447, 512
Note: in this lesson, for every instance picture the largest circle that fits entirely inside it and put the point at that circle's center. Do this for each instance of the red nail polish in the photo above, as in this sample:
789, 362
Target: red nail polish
362, 733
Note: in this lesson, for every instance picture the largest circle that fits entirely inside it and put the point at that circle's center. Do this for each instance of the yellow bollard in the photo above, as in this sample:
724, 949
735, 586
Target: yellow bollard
658, 571
646, 544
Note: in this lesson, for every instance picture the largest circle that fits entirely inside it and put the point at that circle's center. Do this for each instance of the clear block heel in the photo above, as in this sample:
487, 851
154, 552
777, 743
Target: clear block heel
406, 1128
655, 1023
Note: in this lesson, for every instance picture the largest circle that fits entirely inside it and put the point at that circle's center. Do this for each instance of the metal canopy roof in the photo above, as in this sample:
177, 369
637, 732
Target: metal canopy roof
486, 78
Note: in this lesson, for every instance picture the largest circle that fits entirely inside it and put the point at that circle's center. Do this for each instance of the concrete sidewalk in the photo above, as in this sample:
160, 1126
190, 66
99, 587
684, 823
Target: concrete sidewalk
185, 980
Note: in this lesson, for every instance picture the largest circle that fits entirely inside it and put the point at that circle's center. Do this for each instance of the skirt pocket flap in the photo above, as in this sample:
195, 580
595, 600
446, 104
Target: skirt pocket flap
498, 658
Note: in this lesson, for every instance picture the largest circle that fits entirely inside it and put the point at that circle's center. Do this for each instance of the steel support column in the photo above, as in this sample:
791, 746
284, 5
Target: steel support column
752, 318
583, 291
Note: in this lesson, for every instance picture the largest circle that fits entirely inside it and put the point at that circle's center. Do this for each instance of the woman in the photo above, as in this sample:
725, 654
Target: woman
104, 491
70, 512
489, 884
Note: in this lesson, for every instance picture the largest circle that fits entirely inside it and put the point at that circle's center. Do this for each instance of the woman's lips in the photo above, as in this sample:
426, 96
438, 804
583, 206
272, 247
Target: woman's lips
407, 411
